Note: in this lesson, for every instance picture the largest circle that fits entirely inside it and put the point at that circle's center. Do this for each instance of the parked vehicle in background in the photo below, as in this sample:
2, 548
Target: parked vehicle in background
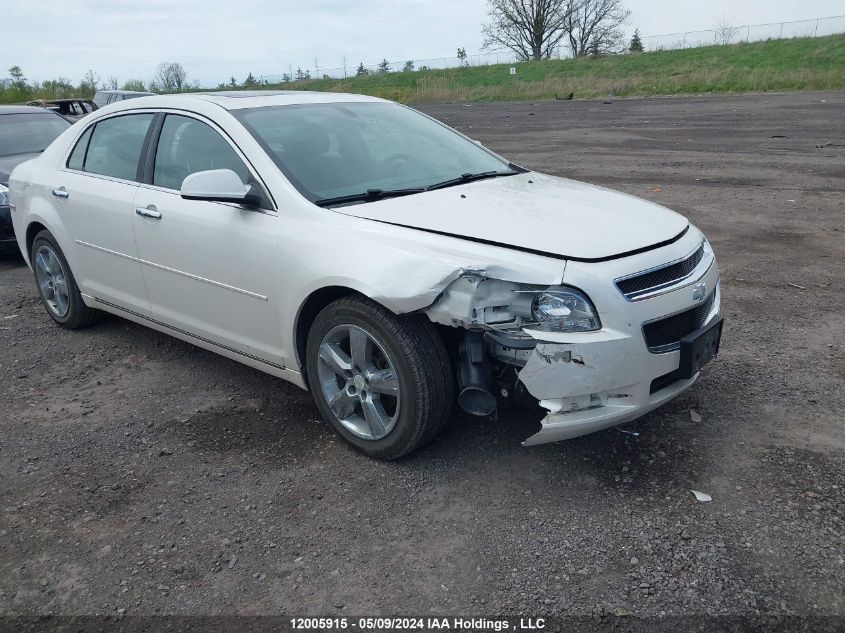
105, 97
24, 133
73, 109
363, 250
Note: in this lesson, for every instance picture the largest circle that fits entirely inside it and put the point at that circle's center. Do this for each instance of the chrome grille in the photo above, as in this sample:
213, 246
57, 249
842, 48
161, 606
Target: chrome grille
664, 335
650, 281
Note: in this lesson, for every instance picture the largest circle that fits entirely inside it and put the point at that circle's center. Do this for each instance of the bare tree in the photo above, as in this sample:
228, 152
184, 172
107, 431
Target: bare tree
18, 78
530, 28
594, 27
88, 85
170, 77
111, 83
726, 31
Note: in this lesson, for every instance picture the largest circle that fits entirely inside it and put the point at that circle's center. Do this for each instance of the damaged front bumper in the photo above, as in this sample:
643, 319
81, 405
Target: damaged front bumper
595, 380
593, 385
596, 389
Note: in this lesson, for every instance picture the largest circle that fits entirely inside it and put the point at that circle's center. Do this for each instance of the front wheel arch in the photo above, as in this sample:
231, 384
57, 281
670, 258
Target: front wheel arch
311, 307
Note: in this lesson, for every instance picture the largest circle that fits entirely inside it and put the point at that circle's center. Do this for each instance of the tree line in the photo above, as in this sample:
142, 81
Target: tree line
531, 29
16, 88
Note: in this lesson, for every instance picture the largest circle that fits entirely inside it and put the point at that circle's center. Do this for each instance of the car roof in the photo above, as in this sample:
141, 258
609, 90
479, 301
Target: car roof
24, 110
242, 99
124, 92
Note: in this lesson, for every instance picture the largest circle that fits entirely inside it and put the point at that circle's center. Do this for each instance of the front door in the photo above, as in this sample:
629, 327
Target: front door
208, 266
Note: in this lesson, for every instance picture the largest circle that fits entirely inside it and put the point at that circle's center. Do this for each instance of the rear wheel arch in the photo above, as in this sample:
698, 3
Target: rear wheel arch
32, 230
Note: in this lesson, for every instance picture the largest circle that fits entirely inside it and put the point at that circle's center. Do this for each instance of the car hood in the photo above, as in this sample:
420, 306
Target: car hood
8, 163
536, 213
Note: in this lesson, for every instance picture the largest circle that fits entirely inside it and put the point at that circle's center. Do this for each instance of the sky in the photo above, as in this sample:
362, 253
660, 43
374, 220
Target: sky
216, 39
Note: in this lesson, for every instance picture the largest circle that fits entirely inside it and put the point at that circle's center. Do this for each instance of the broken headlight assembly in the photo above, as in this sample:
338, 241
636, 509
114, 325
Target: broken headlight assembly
558, 309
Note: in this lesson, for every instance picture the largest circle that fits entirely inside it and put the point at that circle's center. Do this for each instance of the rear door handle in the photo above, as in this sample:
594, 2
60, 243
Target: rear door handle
61, 192
148, 212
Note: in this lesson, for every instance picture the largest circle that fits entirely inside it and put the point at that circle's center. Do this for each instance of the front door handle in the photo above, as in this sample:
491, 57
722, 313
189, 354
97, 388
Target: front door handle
61, 192
148, 212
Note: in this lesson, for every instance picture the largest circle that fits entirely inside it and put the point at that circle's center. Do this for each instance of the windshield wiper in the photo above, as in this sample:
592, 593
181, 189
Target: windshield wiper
468, 177
370, 195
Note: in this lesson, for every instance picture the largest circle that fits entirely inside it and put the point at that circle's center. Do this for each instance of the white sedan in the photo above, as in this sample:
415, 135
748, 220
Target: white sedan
364, 251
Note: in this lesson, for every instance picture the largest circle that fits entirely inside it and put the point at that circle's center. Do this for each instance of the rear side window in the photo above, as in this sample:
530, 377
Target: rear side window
187, 146
114, 147
77, 157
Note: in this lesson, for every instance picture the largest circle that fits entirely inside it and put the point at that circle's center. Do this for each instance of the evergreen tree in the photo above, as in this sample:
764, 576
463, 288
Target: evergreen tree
636, 43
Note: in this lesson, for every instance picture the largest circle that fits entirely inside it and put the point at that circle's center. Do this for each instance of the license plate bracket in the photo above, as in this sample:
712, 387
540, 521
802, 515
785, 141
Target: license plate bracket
699, 348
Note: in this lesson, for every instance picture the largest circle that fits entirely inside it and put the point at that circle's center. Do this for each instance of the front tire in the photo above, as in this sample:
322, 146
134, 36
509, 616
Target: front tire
383, 382
57, 286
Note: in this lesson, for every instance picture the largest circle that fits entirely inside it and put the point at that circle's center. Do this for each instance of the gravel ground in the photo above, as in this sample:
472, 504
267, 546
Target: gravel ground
141, 475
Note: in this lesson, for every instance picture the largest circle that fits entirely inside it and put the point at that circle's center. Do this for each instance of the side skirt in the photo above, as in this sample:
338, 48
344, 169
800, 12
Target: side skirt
255, 362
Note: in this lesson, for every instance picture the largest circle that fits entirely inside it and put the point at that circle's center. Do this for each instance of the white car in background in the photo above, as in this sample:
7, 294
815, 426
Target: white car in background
365, 251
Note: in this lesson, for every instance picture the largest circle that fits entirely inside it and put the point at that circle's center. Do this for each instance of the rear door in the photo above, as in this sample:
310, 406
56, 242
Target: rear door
94, 194
208, 266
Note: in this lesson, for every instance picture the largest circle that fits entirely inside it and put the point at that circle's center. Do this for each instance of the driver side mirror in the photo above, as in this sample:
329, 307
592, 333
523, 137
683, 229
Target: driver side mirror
219, 185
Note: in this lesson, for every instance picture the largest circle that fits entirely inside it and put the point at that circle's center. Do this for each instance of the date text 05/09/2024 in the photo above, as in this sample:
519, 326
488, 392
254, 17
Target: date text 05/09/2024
417, 624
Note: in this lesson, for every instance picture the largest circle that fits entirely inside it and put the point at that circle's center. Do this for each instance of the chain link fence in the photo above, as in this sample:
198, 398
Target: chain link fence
724, 34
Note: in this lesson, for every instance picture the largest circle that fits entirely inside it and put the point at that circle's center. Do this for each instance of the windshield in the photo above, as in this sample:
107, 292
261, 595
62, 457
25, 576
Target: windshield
332, 150
29, 133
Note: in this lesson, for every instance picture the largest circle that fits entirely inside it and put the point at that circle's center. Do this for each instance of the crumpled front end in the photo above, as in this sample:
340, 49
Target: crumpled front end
630, 365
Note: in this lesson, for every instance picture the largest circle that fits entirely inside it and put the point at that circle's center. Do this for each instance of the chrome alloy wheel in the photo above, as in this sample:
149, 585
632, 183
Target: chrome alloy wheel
52, 281
359, 382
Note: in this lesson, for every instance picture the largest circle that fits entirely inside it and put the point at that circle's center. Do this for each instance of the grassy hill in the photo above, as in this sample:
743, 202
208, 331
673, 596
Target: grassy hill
796, 64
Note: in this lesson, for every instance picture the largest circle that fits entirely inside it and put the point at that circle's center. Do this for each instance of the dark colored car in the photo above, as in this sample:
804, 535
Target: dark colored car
105, 97
25, 132
73, 109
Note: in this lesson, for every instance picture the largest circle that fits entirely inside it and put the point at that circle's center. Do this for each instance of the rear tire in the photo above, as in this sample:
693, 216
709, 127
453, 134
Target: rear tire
383, 382
57, 286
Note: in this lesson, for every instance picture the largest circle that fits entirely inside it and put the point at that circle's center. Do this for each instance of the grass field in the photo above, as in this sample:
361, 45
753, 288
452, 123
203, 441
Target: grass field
796, 64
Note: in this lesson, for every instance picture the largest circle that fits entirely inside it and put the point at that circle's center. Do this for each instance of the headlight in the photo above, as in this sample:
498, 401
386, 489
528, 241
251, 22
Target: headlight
565, 310
4, 196
557, 309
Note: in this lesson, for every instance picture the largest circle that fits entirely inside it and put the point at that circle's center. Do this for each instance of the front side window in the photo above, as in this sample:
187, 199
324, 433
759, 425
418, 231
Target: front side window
187, 146
29, 133
115, 146
331, 150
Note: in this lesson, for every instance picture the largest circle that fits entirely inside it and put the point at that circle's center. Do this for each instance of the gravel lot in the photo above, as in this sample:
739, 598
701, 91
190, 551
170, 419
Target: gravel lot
141, 475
